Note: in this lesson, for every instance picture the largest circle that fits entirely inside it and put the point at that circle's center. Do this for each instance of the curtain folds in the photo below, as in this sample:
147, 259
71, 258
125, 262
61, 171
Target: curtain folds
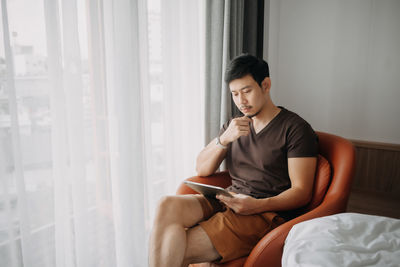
59, 134
101, 114
233, 27
15, 157
183, 49
127, 160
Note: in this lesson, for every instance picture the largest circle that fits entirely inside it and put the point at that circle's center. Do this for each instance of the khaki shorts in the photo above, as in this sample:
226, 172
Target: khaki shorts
234, 235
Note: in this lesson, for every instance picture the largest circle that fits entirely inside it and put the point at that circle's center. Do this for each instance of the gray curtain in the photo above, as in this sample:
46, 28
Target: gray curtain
233, 27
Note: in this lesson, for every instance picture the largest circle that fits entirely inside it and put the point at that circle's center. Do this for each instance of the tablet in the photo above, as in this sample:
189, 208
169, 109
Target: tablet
208, 190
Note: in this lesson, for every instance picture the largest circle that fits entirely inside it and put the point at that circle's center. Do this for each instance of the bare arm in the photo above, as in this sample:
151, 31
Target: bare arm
209, 159
301, 173
212, 155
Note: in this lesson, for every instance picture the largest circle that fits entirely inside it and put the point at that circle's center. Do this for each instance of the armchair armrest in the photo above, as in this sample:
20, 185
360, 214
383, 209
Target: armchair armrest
221, 179
269, 250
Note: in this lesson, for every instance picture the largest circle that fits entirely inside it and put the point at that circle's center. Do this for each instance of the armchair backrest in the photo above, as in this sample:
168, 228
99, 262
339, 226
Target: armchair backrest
340, 154
321, 184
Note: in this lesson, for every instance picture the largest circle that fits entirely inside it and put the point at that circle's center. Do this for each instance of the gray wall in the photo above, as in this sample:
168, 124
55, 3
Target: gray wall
337, 63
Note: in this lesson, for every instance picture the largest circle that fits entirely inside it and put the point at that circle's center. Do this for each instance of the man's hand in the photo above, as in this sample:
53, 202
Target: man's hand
240, 203
237, 128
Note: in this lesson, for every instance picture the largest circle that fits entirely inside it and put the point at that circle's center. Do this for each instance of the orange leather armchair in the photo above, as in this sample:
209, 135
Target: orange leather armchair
335, 170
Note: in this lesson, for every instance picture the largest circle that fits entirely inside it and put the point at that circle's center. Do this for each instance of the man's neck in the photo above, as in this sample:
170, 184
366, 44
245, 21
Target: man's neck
267, 114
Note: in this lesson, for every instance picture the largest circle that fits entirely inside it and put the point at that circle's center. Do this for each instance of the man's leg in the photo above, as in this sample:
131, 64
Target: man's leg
199, 248
169, 239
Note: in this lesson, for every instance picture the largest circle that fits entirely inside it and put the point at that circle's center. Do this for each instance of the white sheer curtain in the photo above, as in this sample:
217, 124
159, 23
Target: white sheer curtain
100, 115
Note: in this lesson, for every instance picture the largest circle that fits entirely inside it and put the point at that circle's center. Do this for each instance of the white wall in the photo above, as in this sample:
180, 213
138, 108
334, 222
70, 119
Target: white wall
337, 64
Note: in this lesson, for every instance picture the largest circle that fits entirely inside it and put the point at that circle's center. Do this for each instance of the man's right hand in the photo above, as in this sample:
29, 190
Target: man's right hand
237, 128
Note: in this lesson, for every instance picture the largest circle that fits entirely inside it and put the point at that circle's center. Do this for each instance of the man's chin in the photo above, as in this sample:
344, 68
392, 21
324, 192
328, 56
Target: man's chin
251, 115
247, 114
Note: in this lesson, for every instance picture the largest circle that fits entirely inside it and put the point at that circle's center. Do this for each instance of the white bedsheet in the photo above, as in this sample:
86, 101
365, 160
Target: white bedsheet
346, 239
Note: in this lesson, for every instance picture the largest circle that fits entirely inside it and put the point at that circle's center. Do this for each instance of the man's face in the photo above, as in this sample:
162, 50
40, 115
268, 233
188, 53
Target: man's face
248, 96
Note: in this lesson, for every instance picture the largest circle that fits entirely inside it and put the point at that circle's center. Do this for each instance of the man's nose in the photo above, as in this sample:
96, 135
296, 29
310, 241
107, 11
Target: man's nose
242, 99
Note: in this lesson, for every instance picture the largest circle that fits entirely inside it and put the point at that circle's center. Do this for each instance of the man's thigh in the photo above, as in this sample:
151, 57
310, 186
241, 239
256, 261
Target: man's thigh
186, 210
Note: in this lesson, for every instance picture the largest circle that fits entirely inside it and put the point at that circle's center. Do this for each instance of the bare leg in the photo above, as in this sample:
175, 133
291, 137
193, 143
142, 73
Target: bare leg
199, 248
169, 239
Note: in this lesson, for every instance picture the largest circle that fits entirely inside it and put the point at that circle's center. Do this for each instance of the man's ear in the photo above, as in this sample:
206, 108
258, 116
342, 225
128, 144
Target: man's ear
266, 84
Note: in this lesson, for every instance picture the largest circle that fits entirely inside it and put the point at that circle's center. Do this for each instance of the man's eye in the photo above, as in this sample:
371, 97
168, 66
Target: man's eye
246, 91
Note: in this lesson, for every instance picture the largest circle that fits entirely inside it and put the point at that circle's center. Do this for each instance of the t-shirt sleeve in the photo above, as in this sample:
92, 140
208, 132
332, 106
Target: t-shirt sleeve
302, 141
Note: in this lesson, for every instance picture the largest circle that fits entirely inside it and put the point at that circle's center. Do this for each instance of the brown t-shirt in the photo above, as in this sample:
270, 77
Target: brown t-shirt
258, 163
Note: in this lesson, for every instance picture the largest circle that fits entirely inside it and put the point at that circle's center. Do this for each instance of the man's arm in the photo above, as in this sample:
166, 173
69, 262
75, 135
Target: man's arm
209, 159
212, 155
301, 173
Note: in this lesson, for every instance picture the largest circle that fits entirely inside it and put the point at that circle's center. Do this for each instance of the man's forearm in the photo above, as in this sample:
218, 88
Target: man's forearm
209, 159
287, 200
247, 205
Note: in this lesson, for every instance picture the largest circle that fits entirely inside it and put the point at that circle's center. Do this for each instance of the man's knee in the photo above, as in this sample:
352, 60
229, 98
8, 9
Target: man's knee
182, 210
168, 208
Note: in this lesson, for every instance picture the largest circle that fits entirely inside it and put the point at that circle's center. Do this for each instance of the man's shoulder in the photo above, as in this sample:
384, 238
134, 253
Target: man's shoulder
292, 119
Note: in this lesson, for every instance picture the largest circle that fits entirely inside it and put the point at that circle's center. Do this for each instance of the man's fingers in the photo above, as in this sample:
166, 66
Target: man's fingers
242, 124
244, 131
221, 197
226, 200
243, 120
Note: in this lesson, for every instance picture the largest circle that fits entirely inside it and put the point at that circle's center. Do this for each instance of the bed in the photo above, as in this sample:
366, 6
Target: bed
345, 239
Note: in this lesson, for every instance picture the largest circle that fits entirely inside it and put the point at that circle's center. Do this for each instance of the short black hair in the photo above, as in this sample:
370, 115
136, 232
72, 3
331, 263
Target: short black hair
246, 64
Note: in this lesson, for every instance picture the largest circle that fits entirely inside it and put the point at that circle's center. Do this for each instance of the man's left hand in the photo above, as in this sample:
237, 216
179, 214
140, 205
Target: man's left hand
240, 203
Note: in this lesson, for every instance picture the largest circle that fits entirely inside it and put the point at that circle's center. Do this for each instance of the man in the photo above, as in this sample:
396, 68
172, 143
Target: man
271, 156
